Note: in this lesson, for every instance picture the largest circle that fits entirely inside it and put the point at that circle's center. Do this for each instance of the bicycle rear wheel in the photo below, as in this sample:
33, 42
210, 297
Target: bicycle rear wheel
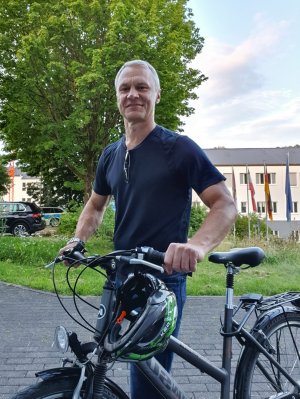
257, 377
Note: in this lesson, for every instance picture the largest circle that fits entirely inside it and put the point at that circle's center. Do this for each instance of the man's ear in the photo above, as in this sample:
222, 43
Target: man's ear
158, 98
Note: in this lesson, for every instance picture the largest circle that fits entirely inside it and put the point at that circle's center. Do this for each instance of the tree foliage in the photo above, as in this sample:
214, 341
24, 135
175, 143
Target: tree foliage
4, 178
58, 63
258, 227
198, 214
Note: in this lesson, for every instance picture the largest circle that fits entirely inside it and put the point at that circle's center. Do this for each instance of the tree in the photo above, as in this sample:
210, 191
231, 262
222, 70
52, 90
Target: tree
258, 227
51, 191
58, 63
4, 178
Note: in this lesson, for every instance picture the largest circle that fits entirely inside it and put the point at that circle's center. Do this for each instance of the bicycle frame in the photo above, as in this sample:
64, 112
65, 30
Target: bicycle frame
168, 386
163, 381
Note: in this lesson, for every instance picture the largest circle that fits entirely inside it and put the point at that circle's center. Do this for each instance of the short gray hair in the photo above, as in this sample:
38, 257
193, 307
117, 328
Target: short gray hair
142, 63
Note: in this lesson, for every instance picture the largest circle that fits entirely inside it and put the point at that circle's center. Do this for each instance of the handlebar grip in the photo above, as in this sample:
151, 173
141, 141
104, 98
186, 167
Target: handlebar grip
154, 256
74, 255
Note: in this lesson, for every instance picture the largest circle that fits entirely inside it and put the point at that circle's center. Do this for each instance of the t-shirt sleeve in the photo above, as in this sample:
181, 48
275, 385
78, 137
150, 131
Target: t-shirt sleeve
195, 166
101, 186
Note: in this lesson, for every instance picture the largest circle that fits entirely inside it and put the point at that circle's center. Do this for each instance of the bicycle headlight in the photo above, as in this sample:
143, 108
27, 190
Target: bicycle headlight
61, 339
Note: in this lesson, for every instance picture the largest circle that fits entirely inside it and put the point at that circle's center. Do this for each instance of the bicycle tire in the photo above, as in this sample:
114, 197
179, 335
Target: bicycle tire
251, 383
62, 389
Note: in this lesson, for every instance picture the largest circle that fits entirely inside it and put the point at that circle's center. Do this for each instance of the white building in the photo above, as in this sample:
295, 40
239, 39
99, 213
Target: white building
19, 184
255, 160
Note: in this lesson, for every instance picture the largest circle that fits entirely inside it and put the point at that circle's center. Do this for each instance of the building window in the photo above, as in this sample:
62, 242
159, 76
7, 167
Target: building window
293, 179
274, 207
243, 178
261, 207
260, 178
23, 186
295, 207
243, 207
275, 233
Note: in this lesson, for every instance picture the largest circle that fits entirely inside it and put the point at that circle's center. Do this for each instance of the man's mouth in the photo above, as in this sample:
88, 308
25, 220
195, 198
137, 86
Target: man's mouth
133, 105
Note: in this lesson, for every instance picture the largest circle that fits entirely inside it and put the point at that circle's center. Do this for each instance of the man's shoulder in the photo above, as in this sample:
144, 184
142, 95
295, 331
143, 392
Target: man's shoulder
165, 134
178, 142
112, 147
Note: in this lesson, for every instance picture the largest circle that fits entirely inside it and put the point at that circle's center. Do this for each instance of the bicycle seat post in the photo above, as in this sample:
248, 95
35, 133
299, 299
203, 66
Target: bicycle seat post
228, 329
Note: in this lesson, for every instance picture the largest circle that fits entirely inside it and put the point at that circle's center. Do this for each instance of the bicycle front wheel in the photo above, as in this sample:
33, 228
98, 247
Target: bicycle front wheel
257, 377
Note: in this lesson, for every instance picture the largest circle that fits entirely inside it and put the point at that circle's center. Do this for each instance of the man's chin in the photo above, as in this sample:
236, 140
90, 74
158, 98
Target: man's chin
134, 117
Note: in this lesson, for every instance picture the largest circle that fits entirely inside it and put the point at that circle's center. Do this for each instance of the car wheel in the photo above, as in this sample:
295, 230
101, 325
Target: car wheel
54, 222
20, 229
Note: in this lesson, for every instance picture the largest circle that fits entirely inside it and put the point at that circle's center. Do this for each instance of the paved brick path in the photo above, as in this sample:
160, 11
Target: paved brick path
29, 317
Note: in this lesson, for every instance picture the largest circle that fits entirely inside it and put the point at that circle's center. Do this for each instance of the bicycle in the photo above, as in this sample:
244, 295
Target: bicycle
269, 362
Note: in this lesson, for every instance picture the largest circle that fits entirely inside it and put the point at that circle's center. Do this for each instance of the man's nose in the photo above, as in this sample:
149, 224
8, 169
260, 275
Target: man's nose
132, 93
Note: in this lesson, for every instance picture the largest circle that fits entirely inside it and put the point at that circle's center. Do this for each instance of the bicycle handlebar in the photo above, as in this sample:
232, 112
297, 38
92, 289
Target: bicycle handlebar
145, 256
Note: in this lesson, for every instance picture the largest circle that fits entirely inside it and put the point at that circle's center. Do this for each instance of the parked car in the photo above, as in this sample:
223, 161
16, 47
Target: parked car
51, 215
20, 218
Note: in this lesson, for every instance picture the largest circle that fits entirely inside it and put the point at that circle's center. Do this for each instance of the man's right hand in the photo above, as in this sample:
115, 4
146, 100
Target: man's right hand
71, 247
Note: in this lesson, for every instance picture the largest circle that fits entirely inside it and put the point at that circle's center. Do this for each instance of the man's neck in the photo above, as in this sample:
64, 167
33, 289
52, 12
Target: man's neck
135, 133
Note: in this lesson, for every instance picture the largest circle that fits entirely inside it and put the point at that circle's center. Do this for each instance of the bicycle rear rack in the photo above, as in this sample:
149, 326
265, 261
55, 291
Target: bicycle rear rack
279, 299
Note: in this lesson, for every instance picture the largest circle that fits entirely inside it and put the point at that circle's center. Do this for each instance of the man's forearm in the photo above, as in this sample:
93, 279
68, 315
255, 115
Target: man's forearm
88, 224
91, 218
215, 227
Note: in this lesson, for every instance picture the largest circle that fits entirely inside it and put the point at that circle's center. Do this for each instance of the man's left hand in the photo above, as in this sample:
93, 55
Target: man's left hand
182, 257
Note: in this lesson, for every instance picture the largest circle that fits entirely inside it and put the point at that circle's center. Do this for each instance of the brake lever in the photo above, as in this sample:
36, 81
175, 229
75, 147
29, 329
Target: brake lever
134, 261
53, 263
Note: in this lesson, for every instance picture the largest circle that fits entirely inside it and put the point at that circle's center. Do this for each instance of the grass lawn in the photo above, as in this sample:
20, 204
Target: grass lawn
23, 260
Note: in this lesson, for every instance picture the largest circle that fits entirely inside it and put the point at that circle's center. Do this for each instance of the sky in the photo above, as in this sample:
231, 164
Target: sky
251, 56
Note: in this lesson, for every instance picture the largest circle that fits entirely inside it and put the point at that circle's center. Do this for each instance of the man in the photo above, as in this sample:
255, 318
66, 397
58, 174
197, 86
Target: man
150, 172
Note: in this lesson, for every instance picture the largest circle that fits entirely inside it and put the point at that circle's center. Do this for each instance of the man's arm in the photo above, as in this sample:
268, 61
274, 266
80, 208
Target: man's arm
221, 216
90, 218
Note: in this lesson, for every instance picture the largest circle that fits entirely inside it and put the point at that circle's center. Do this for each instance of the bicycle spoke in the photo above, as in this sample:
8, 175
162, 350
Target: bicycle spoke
263, 379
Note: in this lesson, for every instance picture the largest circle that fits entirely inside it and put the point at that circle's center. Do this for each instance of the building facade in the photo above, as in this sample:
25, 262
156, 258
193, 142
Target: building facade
20, 182
235, 162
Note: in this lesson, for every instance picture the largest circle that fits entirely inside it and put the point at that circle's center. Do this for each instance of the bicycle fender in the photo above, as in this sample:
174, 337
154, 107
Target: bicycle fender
267, 316
69, 372
59, 372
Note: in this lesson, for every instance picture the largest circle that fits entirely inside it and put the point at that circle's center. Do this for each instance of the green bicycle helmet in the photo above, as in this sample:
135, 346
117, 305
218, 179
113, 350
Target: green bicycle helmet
144, 319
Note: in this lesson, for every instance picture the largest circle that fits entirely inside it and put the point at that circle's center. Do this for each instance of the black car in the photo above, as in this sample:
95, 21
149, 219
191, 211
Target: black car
20, 218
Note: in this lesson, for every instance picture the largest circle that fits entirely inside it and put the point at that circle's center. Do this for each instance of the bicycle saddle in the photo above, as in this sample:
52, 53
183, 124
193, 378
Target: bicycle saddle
251, 256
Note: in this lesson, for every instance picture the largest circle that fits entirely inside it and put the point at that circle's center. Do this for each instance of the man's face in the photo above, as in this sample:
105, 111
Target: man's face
137, 94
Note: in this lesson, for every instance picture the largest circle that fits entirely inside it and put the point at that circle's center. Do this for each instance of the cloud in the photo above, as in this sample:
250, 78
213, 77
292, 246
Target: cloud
234, 70
258, 119
235, 107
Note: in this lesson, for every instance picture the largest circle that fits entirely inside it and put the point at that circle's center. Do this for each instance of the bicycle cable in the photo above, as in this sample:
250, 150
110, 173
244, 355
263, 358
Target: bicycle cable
61, 302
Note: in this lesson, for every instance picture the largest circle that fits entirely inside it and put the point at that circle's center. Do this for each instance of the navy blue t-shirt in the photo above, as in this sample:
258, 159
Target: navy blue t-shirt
153, 203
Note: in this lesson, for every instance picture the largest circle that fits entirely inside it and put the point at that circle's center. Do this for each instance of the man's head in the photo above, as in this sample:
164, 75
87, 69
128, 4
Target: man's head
138, 90
143, 64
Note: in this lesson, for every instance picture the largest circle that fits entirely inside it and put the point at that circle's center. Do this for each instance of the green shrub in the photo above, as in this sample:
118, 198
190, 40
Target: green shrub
69, 220
258, 227
198, 214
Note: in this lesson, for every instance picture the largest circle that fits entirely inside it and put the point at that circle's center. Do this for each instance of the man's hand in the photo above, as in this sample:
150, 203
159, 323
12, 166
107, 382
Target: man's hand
70, 247
182, 257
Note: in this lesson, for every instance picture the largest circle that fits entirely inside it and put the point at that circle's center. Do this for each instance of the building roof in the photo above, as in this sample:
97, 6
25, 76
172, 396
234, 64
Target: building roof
253, 156
23, 175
